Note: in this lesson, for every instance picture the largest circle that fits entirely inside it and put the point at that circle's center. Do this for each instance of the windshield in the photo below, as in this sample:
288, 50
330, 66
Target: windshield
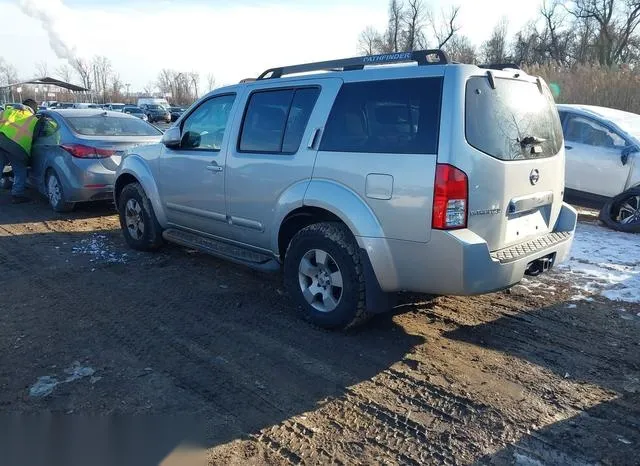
117, 106
100, 125
516, 120
155, 107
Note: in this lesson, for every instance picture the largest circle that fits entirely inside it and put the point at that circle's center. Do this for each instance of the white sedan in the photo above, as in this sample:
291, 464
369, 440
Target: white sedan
603, 162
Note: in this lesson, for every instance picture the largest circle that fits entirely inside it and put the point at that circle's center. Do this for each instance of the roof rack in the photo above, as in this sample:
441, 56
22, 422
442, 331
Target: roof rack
500, 66
422, 57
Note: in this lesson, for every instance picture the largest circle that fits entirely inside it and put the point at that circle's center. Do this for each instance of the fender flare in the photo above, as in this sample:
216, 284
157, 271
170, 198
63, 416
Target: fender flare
347, 205
136, 166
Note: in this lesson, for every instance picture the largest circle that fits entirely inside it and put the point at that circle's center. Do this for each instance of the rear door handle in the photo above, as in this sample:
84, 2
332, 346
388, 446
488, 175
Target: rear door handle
568, 147
214, 168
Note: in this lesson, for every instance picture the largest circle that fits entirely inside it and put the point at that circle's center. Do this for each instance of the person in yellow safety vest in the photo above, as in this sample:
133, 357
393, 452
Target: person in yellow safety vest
16, 136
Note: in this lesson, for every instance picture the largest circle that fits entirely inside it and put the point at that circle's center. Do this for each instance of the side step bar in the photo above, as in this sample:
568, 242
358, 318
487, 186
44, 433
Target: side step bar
236, 254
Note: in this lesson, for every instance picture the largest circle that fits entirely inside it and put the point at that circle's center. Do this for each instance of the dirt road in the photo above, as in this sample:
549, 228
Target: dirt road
88, 326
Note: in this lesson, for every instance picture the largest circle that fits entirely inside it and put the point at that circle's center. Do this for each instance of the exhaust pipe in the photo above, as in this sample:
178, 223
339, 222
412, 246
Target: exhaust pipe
539, 266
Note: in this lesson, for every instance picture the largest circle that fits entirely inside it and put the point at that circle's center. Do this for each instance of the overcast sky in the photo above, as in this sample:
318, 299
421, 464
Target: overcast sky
232, 40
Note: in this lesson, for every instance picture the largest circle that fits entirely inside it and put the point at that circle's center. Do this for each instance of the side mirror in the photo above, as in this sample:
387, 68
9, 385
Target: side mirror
626, 152
171, 138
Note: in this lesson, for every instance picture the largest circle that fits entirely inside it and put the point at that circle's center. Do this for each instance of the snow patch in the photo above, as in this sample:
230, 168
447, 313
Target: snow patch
604, 262
100, 250
44, 386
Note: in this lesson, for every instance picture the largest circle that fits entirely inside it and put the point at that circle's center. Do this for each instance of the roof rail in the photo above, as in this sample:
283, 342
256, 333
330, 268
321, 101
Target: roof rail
422, 57
500, 66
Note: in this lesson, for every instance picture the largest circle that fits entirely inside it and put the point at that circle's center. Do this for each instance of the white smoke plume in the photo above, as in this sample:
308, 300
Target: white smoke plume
48, 12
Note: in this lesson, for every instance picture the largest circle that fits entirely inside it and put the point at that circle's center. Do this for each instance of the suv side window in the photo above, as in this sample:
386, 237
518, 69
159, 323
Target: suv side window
587, 131
400, 116
204, 128
275, 120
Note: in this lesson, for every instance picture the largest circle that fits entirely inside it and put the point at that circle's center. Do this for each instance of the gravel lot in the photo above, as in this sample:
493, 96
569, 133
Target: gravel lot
540, 374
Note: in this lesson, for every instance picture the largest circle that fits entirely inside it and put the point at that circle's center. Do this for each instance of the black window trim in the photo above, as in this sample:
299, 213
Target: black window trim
437, 132
204, 101
596, 120
286, 121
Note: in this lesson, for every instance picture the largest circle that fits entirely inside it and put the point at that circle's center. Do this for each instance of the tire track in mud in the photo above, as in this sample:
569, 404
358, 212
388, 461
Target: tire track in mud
340, 409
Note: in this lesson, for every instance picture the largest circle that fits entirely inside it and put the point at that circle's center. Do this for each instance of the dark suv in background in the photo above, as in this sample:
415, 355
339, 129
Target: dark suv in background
156, 112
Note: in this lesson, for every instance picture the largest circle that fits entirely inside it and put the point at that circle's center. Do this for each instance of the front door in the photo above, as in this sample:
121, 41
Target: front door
594, 157
191, 181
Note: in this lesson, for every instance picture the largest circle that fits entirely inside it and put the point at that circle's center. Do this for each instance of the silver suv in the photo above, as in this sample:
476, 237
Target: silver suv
362, 181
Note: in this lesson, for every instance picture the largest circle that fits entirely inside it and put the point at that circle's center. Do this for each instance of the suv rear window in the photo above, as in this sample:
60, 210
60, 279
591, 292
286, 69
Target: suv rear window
504, 122
399, 116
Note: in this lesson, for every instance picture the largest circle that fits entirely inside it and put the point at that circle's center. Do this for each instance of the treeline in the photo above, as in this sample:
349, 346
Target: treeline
106, 85
589, 48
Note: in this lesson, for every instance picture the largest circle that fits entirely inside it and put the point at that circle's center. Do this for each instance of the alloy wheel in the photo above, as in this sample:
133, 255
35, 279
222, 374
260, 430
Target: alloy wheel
629, 210
320, 280
134, 219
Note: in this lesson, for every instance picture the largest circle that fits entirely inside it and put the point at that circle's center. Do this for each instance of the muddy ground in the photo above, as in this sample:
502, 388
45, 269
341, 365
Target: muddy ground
508, 378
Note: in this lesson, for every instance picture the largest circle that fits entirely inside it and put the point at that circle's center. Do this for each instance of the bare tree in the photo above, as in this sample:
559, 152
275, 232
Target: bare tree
64, 72
83, 69
115, 88
394, 29
494, 50
8, 72
211, 82
369, 42
616, 22
102, 71
414, 17
445, 28
194, 77
42, 69
460, 49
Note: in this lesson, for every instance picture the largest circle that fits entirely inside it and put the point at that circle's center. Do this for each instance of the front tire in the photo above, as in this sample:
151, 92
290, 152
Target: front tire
324, 274
55, 193
622, 212
140, 227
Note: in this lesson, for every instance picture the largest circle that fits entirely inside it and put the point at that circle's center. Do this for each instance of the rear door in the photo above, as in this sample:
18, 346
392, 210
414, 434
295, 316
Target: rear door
512, 154
594, 156
275, 148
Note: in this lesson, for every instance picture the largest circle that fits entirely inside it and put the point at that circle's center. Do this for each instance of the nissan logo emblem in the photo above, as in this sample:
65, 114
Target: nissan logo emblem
534, 176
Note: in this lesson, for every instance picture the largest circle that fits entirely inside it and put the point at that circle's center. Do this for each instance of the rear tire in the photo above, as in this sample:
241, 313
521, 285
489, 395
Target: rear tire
324, 274
55, 193
622, 212
140, 227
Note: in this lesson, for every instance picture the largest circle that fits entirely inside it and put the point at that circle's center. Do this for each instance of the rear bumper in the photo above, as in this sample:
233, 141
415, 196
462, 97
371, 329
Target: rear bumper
85, 180
459, 262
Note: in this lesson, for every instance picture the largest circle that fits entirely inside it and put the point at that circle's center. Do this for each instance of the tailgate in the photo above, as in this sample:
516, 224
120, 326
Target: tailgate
514, 158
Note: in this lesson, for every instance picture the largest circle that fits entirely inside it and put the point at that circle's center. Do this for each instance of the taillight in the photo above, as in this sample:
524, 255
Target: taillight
450, 199
87, 152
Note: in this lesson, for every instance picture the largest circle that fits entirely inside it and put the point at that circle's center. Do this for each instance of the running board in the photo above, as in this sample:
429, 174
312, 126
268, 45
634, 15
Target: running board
223, 250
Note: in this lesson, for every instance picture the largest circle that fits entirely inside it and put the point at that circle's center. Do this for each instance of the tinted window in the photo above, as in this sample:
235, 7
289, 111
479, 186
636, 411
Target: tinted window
399, 116
275, 121
204, 128
590, 132
100, 125
516, 120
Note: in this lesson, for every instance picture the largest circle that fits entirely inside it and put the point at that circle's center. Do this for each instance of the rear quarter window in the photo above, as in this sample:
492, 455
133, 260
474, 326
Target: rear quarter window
400, 116
503, 122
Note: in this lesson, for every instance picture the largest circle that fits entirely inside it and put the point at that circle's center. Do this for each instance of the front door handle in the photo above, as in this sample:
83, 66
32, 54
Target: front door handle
214, 168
